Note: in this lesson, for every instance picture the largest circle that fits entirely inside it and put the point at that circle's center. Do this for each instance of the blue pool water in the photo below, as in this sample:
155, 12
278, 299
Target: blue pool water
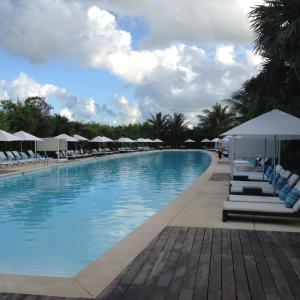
56, 221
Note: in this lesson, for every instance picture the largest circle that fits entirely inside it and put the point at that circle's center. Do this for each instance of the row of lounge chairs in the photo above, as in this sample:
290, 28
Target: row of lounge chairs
262, 192
14, 158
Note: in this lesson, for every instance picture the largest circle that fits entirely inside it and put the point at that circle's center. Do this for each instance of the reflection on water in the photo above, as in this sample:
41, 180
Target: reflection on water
56, 221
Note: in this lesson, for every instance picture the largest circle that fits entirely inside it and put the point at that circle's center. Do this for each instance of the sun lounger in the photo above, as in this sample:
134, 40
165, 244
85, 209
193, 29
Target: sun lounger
259, 205
5, 162
257, 188
262, 209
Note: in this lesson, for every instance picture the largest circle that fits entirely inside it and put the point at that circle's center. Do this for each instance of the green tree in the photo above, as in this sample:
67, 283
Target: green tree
216, 120
177, 126
159, 123
276, 24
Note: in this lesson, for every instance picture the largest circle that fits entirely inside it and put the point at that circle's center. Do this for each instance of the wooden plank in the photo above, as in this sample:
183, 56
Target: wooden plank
215, 274
280, 281
240, 275
228, 284
167, 272
201, 283
188, 282
255, 285
263, 268
289, 273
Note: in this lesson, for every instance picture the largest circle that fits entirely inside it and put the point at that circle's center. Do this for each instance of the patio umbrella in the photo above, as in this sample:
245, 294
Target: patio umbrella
275, 124
24, 136
141, 140
205, 141
79, 137
98, 139
7, 137
189, 141
149, 141
124, 140
66, 138
215, 140
158, 141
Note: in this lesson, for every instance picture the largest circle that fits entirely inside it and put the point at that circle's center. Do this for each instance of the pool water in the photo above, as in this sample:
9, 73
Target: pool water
56, 221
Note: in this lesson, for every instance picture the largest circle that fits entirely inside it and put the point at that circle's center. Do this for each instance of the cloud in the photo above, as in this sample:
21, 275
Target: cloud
195, 79
191, 57
74, 107
225, 55
129, 111
192, 21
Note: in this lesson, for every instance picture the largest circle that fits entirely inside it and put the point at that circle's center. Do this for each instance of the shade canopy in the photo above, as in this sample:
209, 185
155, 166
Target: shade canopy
273, 123
7, 137
215, 140
190, 141
79, 137
141, 140
157, 141
101, 139
124, 140
149, 141
24, 136
205, 141
66, 138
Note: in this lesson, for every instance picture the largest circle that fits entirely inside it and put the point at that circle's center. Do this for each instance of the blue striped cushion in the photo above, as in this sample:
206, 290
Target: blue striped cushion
284, 191
280, 184
292, 197
277, 177
269, 170
270, 177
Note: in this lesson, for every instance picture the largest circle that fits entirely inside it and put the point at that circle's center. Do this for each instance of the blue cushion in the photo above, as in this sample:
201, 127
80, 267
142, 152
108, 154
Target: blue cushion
269, 170
270, 177
292, 197
277, 177
281, 182
284, 191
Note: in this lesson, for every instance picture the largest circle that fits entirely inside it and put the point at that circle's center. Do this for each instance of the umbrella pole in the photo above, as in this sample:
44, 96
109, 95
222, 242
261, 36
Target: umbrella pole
57, 150
274, 164
35, 148
265, 154
21, 146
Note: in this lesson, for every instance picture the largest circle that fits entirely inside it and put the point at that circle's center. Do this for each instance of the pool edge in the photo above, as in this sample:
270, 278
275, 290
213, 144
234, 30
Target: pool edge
98, 274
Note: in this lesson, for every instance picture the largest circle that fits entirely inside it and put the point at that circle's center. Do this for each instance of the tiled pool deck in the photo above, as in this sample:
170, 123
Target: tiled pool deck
200, 206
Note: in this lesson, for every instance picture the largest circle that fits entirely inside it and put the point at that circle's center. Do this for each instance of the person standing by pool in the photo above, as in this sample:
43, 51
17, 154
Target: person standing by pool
220, 151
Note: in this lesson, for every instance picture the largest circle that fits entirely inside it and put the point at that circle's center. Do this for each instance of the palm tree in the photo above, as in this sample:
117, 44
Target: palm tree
216, 120
159, 123
276, 24
177, 125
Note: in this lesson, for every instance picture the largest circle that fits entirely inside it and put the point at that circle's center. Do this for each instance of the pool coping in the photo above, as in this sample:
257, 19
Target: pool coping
99, 273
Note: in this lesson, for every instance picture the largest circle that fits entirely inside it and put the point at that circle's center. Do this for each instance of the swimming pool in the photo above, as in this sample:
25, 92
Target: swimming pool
56, 221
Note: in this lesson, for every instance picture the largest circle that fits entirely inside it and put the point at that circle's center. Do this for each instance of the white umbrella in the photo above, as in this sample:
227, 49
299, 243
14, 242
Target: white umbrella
66, 138
99, 139
79, 137
157, 141
24, 136
141, 140
215, 140
148, 141
190, 141
205, 141
124, 140
107, 140
7, 137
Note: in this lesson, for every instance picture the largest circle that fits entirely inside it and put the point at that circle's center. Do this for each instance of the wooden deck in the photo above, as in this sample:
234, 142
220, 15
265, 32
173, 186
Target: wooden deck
204, 263
197, 263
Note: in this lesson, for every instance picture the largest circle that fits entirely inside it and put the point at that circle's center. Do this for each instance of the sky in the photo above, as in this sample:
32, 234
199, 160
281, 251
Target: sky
118, 62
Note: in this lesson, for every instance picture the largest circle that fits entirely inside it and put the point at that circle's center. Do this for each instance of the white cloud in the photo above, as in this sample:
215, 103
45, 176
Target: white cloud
65, 112
192, 21
129, 111
75, 108
225, 55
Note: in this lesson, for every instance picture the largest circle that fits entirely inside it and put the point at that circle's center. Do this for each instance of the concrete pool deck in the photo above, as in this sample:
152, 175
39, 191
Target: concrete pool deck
199, 206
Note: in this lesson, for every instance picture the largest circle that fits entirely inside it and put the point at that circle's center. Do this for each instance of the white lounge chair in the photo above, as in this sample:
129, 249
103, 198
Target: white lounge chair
257, 188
